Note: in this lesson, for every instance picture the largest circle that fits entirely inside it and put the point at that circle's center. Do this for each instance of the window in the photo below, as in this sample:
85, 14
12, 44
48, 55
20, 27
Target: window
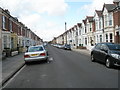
10, 26
5, 41
96, 25
97, 38
85, 30
111, 37
90, 27
100, 38
79, 32
98, 46
100, 24
85, 41
110, 19
114, 46
12, 42
35, 49
106, 37
3, 22
105, 20
21, 31
104, 47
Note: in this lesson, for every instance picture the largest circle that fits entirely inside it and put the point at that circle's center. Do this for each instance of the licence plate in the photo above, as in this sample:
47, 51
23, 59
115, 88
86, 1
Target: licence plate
34, 54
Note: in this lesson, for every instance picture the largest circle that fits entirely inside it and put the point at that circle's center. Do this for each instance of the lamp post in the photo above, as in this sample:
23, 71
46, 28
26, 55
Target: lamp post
65, 31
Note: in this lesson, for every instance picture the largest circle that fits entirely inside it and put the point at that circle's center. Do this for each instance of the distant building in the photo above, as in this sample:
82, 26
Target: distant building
14, 35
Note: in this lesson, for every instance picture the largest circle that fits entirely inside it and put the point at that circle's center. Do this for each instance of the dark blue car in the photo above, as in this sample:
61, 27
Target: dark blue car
67, 47
108, 53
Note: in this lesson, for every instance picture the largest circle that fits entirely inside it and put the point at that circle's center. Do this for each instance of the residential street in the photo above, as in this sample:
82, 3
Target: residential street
68, 69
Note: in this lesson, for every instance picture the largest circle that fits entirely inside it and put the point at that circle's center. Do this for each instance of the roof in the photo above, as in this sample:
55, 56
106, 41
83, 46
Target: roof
90, 18
99, 13
79, 24
84, 21
109, 7
116, 0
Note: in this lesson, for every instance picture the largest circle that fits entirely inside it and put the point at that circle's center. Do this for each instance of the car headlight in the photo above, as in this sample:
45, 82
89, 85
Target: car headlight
115, 56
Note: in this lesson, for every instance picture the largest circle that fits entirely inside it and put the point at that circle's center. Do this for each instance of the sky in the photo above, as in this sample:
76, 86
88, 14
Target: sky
47, 17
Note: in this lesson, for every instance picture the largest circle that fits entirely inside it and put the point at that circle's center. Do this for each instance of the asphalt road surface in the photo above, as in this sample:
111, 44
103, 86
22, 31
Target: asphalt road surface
67, 69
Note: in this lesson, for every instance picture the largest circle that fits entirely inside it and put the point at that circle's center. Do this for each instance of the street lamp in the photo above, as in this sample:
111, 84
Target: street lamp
65, 31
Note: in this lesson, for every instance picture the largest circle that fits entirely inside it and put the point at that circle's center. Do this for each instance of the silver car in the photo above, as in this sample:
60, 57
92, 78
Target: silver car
36, 53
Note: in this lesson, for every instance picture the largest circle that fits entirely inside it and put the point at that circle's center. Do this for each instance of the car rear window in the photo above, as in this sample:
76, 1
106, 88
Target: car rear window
35, 49
114, 46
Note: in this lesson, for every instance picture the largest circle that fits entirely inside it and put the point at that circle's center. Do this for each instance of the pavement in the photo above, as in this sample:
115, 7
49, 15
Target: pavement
82, 51
11, 65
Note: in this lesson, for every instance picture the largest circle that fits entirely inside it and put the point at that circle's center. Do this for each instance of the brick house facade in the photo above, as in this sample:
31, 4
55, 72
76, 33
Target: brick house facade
116, 16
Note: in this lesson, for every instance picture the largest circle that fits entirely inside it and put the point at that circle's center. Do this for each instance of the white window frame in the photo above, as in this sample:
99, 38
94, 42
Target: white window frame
110, 19
106, 21
111, 38
106, 36
100, 38
11, 26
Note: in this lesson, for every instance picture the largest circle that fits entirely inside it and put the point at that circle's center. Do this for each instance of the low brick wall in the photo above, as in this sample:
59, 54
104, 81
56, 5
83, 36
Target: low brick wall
81, 47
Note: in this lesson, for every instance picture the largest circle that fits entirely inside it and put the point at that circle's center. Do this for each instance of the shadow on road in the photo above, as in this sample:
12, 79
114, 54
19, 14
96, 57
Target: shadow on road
114, 67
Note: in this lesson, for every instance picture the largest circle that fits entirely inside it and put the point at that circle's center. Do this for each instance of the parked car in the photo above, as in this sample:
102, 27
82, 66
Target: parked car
108, 53
67, 47
36, 53
60, 46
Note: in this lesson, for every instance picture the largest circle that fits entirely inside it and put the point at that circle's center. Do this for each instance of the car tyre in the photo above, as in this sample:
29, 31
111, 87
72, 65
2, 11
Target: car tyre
26, 63
92, 58
108, 63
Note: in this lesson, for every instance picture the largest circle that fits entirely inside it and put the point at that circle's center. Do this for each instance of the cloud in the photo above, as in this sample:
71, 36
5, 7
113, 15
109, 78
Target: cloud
37, 14
94, 5
52, 7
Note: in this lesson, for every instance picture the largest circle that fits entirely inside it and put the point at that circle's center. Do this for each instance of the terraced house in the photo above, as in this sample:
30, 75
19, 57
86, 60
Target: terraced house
98, 18
16, 37
104, 26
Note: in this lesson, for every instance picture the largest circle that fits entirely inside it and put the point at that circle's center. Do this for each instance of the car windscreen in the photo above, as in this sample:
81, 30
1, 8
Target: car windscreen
67, 45
35, 49
114, 46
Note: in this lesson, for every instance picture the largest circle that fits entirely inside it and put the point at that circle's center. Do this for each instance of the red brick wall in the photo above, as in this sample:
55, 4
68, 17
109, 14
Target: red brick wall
19, 31
23, 32
15, 27
93, 24
116, 17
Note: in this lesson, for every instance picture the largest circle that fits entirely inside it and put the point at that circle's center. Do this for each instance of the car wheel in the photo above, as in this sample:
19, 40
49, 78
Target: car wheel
47, 60
26, 63
108, 63
92, 58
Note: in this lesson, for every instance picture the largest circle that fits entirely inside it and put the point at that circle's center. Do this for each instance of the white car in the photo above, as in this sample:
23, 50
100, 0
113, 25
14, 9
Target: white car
36, 53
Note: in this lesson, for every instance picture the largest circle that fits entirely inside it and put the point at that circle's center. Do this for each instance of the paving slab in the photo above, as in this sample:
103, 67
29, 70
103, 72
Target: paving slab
11, 65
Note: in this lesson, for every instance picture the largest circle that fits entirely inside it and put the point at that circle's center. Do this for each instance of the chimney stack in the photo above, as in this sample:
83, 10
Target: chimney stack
116, 2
